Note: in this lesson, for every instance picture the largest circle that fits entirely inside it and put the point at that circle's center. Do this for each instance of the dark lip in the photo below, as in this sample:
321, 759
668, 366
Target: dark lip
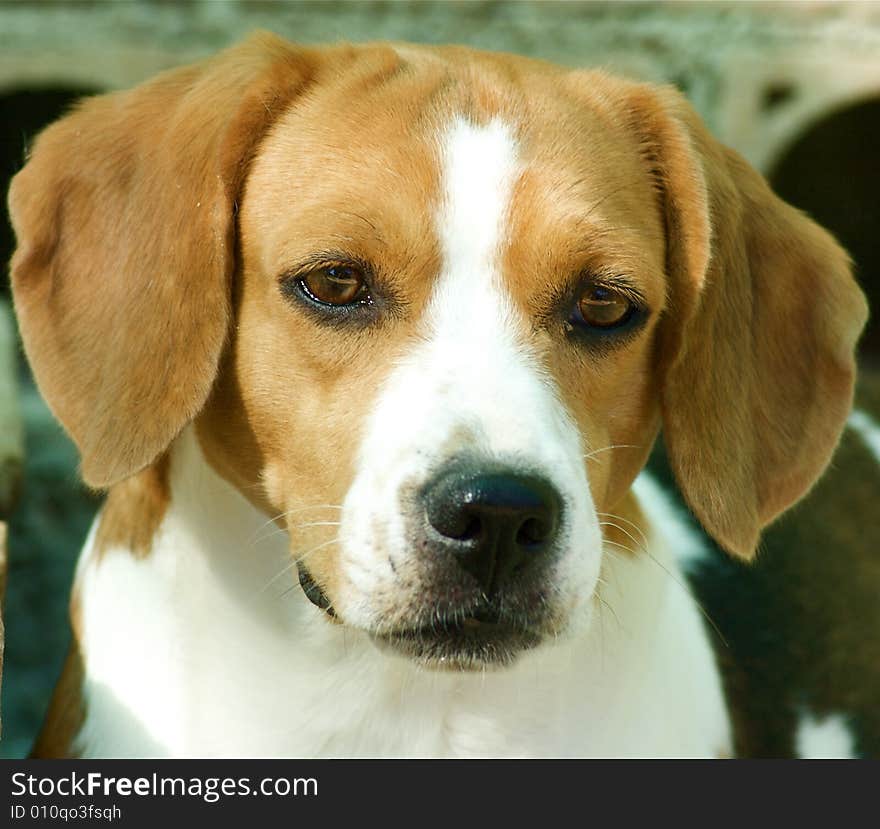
467, 643
470, 640
313, 592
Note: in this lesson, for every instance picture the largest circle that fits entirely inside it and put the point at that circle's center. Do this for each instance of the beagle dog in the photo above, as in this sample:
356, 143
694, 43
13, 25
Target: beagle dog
369, 345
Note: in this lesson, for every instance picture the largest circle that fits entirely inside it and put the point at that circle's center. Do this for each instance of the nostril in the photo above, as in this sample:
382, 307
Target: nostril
473, 529
453, 521
532, 532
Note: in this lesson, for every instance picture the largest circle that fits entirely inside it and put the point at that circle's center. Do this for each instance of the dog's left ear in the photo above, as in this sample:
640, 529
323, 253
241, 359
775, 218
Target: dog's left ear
125, 221
756, 348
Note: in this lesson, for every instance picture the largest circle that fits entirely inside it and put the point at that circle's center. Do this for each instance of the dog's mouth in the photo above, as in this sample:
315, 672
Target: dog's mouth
313, 592
483, 636
477, 640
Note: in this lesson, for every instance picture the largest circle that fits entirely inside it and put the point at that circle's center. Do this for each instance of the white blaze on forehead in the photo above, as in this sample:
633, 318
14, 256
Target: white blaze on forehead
470, 309
479, 168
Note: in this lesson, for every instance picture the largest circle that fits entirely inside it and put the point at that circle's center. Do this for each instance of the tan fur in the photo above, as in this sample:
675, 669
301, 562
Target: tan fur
133, 511
66, 713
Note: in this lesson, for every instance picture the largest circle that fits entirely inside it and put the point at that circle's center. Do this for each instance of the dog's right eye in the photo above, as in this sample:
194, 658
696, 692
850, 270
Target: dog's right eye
336, 285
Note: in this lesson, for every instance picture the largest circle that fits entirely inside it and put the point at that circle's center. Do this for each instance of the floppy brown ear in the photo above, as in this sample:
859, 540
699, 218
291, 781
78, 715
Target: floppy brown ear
757, 344
124, 216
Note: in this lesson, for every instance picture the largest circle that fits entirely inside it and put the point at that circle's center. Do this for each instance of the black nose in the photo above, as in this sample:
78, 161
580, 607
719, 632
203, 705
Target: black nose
495, 522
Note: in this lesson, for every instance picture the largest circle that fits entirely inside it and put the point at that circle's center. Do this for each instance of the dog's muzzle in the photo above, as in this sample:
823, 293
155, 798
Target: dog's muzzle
482, 537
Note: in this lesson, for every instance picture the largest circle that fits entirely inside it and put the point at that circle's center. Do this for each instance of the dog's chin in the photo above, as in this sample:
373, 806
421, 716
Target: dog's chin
478, 640
466, 645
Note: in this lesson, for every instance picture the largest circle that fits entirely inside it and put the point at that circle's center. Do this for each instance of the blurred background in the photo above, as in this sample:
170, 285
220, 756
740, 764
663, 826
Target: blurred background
794, 86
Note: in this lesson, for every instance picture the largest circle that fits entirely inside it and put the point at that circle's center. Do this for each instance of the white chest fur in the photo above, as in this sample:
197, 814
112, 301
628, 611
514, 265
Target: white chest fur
188, 653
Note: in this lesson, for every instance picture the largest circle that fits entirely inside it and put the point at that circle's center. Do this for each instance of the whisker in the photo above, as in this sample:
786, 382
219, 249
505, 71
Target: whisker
254, 537
632, 524
312, 506
611, 610
630, 550
591, 455
690, 593
638, 544
282, 530
302, 557
295, 561
317, 524
686, 588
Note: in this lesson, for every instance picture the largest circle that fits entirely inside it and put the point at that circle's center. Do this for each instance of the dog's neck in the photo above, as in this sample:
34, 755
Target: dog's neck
211, 649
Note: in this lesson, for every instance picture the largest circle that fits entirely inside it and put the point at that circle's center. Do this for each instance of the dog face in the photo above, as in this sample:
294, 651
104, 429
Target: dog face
428, 309
413, 347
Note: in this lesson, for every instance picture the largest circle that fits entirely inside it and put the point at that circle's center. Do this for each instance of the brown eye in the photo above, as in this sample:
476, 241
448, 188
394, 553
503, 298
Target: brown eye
336, 285
602, 307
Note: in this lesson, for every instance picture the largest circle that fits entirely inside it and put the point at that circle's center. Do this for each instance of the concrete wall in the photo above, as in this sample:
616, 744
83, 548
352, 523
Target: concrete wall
758, 72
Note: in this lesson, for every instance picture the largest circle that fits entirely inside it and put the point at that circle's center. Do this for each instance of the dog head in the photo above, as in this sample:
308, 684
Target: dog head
428, 309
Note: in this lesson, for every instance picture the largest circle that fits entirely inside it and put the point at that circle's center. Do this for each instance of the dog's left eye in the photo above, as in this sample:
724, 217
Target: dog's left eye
603, 308
336, 285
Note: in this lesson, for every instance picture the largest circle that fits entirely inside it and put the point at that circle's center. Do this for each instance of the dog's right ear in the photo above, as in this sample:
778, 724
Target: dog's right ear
124, 217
